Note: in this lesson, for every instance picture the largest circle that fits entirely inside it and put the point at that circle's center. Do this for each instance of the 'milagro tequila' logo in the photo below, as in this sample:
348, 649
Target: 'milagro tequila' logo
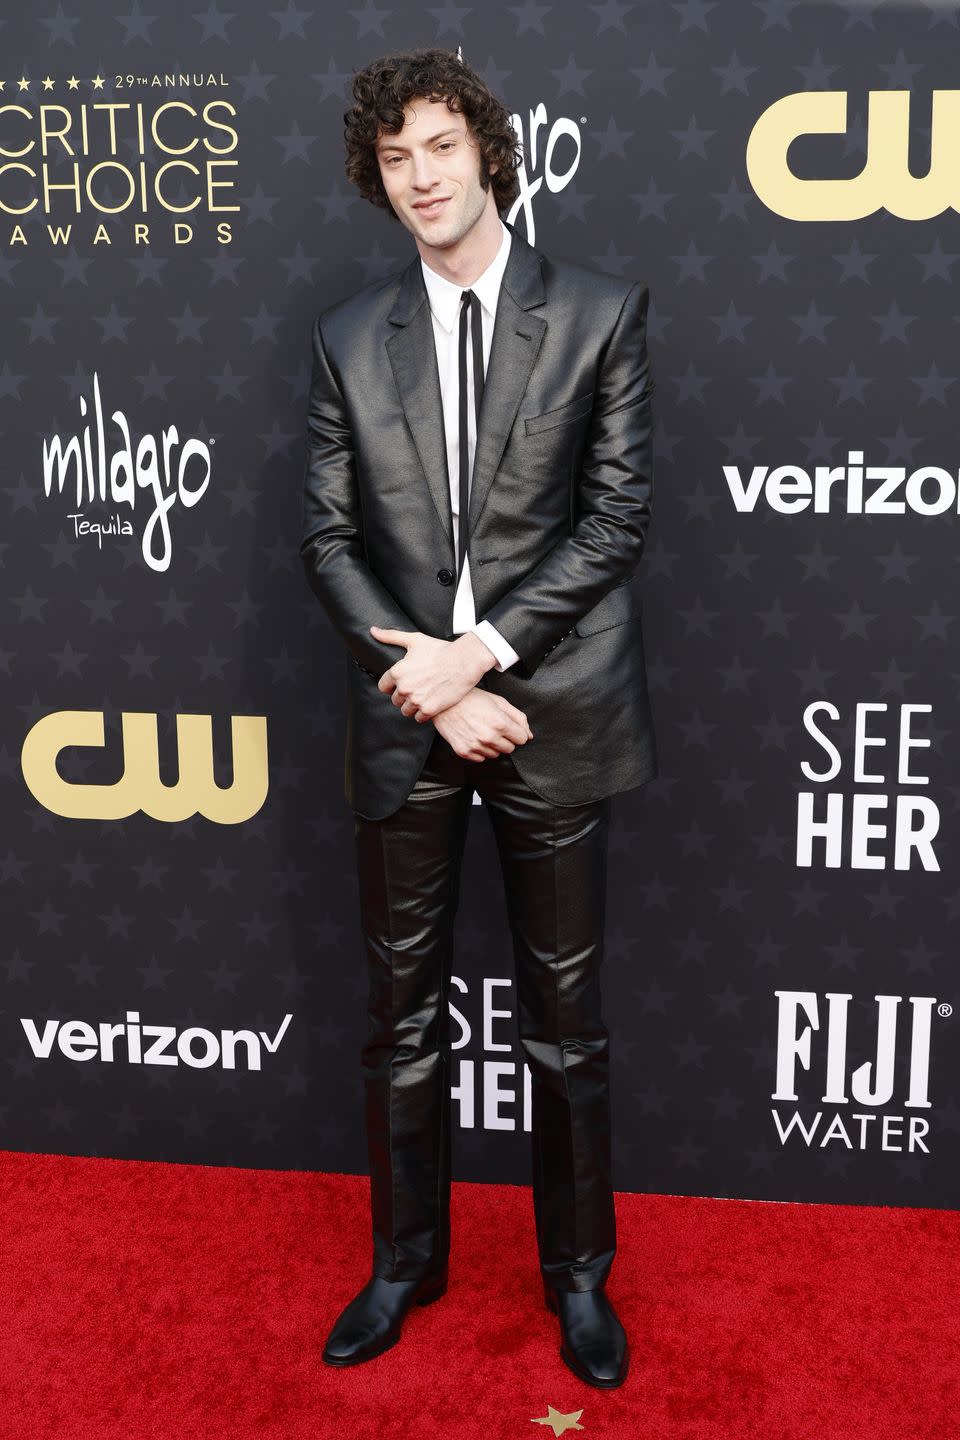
539, 150
118, 476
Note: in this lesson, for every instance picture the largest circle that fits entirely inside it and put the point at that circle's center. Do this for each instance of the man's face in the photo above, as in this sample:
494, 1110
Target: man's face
431, 173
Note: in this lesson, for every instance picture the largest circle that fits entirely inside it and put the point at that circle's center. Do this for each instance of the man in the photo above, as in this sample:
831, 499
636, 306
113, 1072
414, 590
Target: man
477, 496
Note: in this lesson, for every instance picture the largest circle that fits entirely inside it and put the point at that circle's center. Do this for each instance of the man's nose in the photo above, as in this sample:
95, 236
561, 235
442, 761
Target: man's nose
424, 173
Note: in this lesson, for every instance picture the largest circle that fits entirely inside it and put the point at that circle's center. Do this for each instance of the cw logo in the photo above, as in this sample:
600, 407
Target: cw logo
884, 183
140, 786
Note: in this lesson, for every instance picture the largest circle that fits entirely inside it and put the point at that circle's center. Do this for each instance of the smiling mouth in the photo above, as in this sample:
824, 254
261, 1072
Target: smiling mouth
433, 208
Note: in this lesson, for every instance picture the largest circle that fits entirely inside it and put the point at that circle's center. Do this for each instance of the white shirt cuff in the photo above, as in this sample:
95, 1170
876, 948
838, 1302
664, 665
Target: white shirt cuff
494, 641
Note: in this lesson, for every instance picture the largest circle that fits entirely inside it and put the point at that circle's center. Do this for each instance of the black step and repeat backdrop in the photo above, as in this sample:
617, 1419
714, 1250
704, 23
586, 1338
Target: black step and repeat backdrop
183, 978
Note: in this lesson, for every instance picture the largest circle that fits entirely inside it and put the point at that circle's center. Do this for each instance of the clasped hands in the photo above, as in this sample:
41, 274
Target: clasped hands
436, 680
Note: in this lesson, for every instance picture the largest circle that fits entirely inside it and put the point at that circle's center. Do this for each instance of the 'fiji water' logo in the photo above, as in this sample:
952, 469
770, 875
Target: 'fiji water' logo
856, 1107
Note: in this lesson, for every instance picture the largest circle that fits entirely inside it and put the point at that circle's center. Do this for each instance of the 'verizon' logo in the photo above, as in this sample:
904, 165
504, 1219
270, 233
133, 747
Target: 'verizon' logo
851, 488
130, 1042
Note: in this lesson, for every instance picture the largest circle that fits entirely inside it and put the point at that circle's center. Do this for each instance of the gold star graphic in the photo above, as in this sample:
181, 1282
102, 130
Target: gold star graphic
558, 1422
47, 83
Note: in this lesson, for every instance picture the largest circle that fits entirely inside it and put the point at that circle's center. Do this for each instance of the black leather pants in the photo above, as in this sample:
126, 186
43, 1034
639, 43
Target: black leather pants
553, 860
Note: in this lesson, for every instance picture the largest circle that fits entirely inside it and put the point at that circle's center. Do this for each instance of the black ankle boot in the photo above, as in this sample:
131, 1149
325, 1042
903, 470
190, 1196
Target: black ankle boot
593, 1341
372, 1321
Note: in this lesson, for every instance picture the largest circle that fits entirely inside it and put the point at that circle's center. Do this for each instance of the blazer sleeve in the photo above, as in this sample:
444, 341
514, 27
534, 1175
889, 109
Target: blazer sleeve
332, 540
615, 493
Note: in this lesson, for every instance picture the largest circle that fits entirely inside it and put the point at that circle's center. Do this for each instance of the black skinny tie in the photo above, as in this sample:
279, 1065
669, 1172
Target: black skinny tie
468, 302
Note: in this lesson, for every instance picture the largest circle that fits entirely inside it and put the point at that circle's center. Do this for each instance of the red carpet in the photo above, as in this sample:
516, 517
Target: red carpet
149, 1300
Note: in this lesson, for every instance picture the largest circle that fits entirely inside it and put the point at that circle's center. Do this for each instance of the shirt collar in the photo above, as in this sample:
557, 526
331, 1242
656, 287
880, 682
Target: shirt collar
444, 296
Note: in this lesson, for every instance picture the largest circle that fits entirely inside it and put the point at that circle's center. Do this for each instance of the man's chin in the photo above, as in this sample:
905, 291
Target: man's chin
436, 233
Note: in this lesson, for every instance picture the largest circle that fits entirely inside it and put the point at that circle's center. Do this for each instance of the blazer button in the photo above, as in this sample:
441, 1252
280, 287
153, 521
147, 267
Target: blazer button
445, 577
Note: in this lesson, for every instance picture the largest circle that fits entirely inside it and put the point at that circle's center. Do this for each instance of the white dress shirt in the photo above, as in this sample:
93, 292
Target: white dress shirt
444, 300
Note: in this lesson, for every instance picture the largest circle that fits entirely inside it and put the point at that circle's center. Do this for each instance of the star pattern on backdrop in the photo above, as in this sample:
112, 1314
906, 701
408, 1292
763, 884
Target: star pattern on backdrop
772, 344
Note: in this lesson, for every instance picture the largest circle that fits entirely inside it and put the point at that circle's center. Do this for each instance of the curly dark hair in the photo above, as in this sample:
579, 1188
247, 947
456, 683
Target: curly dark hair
384, 87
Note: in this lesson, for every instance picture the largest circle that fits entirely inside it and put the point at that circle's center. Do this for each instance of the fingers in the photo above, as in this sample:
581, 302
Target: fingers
517, 731
489, 749
521, 731
480, 749
392, 637
510, 734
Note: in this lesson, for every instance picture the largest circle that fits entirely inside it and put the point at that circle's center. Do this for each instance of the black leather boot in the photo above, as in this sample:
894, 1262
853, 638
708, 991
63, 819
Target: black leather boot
372, 1321
593, 1341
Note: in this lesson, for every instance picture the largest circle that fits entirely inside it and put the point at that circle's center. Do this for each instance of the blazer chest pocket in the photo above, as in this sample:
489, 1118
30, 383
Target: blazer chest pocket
562, 415
613, 609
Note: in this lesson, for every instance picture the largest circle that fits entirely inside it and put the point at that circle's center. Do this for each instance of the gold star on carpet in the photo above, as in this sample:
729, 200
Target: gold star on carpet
559, 1423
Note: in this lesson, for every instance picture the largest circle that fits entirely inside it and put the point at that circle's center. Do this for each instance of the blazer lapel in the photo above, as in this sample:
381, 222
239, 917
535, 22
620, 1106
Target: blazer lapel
517, 336
412, 353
